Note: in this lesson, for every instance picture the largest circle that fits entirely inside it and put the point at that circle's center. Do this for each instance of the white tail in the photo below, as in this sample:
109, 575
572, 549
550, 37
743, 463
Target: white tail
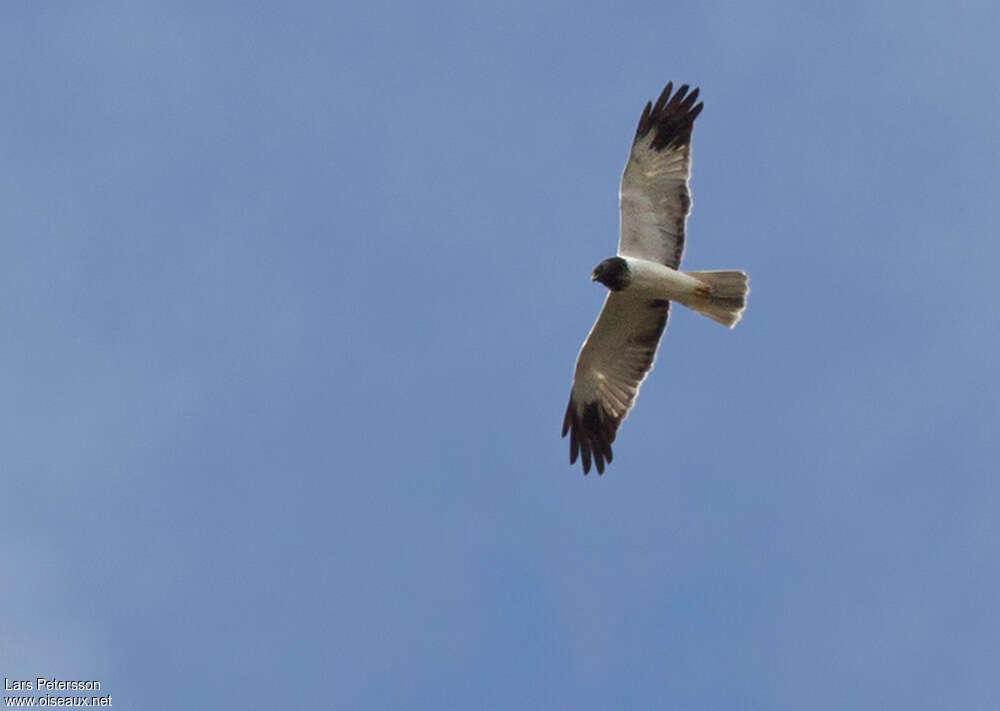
723, 298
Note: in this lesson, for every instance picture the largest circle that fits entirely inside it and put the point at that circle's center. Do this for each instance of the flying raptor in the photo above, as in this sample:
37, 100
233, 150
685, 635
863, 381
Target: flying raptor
643, 279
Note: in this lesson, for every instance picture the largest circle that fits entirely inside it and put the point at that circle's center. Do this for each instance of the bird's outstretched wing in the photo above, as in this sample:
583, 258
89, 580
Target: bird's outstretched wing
654, 198
612, 364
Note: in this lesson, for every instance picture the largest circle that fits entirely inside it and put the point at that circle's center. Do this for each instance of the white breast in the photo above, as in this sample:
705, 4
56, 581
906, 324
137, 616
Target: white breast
659, 282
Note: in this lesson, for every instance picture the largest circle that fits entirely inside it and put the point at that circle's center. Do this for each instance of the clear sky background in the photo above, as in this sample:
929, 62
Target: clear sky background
292, 295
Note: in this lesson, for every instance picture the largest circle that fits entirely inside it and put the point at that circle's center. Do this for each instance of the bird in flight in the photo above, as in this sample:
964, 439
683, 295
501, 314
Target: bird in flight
643, 279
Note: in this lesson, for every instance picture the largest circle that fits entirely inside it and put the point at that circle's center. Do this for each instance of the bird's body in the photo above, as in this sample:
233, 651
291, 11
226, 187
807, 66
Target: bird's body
650, 280
643, 279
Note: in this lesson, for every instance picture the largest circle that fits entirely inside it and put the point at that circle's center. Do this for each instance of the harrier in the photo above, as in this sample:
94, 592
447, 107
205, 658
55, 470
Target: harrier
643, 279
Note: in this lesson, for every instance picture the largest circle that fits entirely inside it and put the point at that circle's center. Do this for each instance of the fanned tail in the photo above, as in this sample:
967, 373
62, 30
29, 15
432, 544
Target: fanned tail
724, 297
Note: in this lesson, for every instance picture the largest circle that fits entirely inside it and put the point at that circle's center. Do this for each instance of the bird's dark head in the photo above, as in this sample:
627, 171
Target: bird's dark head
613, 273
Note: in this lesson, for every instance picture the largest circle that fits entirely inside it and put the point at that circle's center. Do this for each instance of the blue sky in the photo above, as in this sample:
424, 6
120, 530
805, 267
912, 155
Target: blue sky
292, 296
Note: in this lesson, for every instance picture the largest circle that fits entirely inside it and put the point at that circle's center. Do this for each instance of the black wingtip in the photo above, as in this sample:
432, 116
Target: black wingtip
590, 435
672, 117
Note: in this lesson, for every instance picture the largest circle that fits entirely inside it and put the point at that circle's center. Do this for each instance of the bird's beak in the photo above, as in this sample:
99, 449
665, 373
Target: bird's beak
593, 276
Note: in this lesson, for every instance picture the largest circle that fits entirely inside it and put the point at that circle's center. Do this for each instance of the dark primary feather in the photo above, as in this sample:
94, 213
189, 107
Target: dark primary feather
590, 435
672, 117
